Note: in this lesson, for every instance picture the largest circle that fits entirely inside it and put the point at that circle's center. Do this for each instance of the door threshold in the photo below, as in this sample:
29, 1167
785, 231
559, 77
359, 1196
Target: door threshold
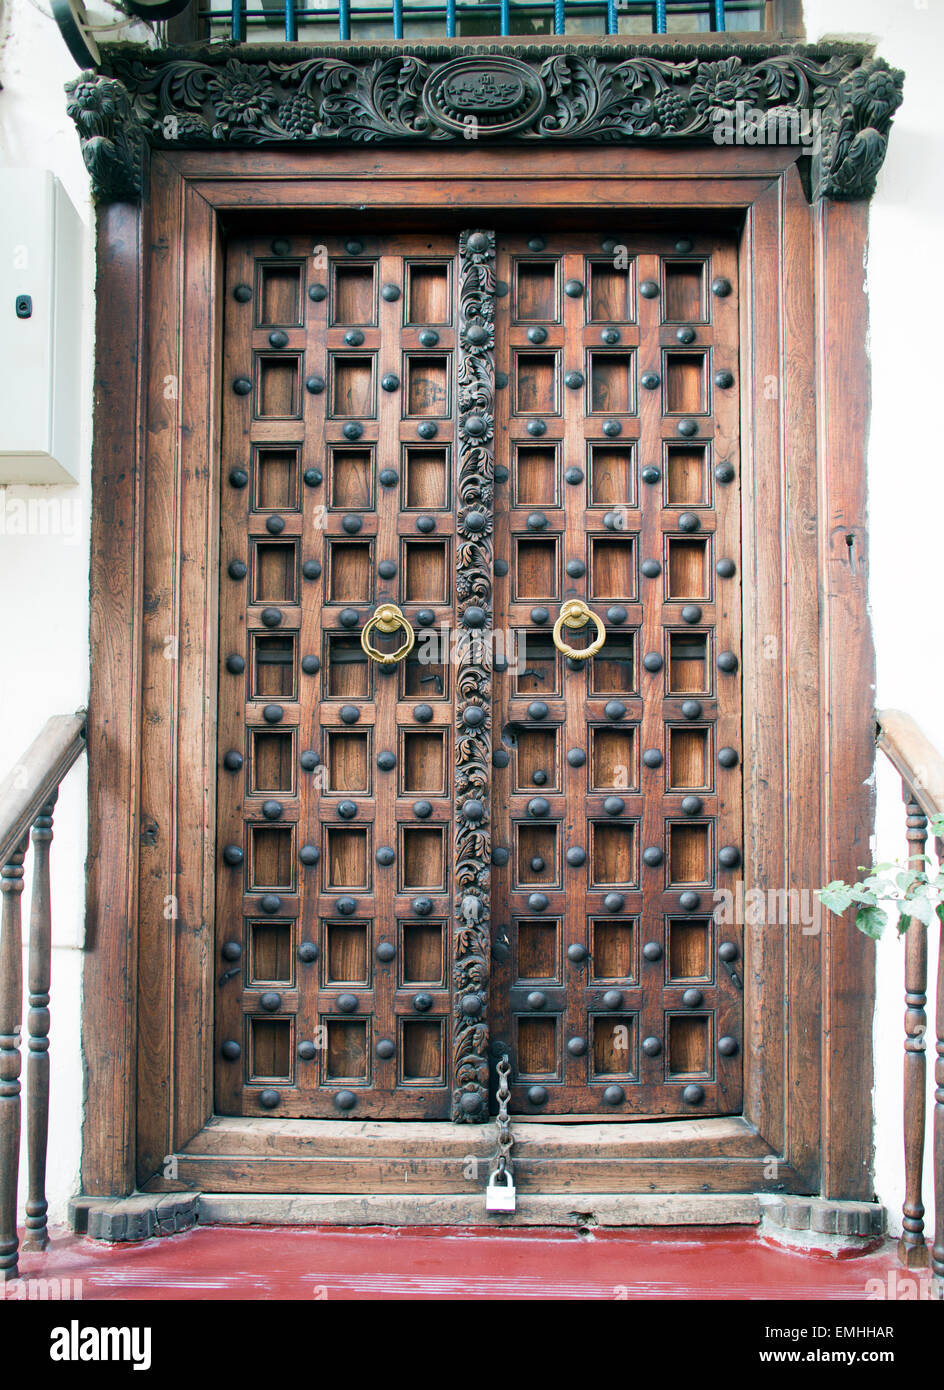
584, 1211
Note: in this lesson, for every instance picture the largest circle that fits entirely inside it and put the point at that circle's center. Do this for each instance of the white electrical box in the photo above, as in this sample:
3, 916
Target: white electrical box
41, 270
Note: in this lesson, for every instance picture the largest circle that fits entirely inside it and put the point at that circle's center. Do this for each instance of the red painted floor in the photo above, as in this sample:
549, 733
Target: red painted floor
270, 1263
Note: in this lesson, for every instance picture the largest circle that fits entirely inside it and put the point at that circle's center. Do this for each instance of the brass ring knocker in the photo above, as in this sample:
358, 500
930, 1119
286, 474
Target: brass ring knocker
387, 619
575, 614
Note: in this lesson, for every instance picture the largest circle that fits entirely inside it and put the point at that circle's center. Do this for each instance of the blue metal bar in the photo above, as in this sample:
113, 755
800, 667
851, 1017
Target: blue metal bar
398, 19
505, 20
612, 24
719, 16
559, 17
450, 19
344, 19
291, 29
238, 28
660, 24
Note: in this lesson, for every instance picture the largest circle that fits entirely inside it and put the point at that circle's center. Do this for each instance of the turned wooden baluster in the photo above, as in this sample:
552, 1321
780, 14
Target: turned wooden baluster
11, 1008
937, 1253
912, 1249
37, 1024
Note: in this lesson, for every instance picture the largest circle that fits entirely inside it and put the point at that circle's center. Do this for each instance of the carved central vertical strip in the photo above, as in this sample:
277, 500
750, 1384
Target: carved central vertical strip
473, 657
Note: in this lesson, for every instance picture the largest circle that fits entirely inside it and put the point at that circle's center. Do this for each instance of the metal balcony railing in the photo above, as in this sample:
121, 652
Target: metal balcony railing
285, 19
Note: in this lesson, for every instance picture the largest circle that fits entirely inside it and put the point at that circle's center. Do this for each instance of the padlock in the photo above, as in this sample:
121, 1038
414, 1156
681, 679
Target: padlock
500, 1196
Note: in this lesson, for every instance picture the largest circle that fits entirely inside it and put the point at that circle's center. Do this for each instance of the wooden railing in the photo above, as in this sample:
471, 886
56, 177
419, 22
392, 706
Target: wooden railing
27, 801
921, 768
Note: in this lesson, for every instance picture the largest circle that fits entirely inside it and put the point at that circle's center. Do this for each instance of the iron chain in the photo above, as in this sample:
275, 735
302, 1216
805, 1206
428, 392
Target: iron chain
505, 1140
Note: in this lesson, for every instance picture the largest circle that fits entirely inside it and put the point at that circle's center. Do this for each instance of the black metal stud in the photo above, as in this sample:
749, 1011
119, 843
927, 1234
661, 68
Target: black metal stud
501, 568
689, 900
537, 710
614, 805
539, 777
311, 569
612, 428
388, 477
232, 760
309, 855
573, 288
614, 1095
390, 293
231, 1050
389, 381
573, 475
536, 428
231, 950
574, 380
688, 521
653, 856
614, 902
385, 856
576, 1046
354, 337
727, 757
422, 810
729, 856
684, 245
427, 429
475, 522
651, 1046
500, 856
651, 473
314, 385
539, 616
691, 613
422, 1003
269, 1098
574, 663
242, 294
275, 525
727, 662
353, 430
348, 617
272, 714
691, 709
353, 246
428, 337
386, 761
651, 569
575, 569
270, 903
686, 334
537, 1095
575, 857
728, 951
473, 716
612, 999
614, 709
501, 381
652, 951
536, 999
271, 617
242, 385
347, 1003
613, 521
688, 428
235, 664
692, 805
721, 286
617, 614
725, 568
576, 757
347, 810
536, 521
385, 1049
345, 1100
270, 1000
309, 760
539, 807
650, 380
471, 1005
307, 1051
238, 478
537, 902
652, 757
351, 523
307, 952
474, 616
724, 379
278, 338
649, 289
693, 1094
537, 335
317, 293
350, 714
537, 243
387, 569
652, 661
500, 758
272, 810
728, 1046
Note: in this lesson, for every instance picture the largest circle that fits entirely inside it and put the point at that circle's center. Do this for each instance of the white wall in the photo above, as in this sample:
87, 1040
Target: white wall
905, 473
44, 579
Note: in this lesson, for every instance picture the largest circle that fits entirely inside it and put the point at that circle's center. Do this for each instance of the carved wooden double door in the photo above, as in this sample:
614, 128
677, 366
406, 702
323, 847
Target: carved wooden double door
479, 716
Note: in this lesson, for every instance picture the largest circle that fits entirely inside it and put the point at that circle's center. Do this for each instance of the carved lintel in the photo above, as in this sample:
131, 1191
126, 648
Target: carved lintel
473, 745
833, 100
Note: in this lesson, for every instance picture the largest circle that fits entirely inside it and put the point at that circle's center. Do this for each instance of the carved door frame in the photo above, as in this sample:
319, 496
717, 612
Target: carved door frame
808, 745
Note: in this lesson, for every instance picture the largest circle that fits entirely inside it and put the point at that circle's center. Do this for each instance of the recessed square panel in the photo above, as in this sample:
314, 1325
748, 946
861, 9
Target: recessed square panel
347, 761
271, 958
537, 568
273, 668
354, 293
353, 393
350, 571
535, 761
612, 758
536, 476
688, 1051
425, 478
346, 862
537, 948
270, 1050
279, 294
686, 475
274, 572
611, 384
613, 669
536, 670
615, 1041
537, 1047
424, 572
613, 567
536, 383
428, 298
345, 957
271, 858
272, 761
689, 762
537, 856
687, 571
689, 955
685, 382
612, 481
347, 670
422, 953
346, 1056
427, 385
351, 479
276, 480
422, 762
536, 291
613, 854
278, 386
687, 667
689, 860
613, 948
683, 291
423, 676
422, 1052
422, 858
612, 289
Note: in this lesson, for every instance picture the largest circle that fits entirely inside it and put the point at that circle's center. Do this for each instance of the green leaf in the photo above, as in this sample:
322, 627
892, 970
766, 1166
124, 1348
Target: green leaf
860, 894
906, 878
836, 896
904, 922
922, 909
871, 921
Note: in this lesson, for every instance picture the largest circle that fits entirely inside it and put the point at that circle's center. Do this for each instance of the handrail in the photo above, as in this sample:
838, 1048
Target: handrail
27, 801
914, 756
33, 779
921, 768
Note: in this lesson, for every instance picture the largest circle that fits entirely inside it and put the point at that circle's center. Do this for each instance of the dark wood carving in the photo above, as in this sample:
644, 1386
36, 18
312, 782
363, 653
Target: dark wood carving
186, 98
474, 460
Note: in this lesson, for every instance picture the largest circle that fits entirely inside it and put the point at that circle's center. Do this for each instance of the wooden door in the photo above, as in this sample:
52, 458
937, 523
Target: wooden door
335, 785
617, 791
